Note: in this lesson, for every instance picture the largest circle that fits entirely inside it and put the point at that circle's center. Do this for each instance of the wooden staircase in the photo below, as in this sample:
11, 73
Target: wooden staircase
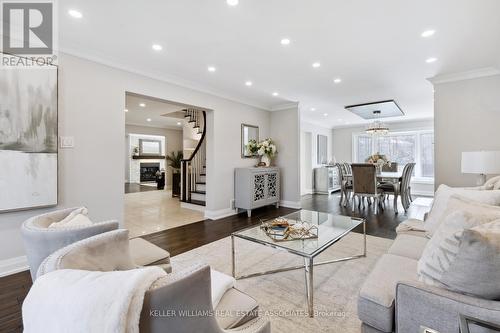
193, 169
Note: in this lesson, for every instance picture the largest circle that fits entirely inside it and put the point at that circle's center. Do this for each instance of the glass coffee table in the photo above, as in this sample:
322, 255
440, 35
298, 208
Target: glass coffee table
331, 229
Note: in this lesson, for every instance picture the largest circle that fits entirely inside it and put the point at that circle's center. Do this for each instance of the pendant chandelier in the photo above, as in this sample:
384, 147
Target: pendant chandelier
377, 127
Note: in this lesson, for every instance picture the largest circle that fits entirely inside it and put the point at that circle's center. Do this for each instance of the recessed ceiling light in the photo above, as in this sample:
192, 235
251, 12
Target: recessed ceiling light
325, 114
337, 80
157, 47
428, 33
431, 60
285, 41
211, 69
313, 109
75, 13
248, 83
316, 65
142, 105
232, 2
126, 110
148, 119
275, 94
179, 123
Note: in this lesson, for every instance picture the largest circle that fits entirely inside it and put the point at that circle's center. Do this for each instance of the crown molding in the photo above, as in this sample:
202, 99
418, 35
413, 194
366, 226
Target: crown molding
171, 79
316, 123
467, 75
392, 122
172, 127
285, 106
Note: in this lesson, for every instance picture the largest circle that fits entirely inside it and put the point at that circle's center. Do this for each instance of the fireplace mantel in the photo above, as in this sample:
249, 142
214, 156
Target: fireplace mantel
148, 157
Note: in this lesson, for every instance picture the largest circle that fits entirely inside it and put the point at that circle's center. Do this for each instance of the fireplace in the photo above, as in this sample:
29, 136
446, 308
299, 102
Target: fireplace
148, 171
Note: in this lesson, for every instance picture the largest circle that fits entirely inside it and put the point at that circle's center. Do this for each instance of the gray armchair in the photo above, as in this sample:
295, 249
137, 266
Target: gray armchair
188, 290
40, 241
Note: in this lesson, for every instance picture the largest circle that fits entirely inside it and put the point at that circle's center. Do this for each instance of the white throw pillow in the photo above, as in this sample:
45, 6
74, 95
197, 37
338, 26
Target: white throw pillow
443, 245
78, 217
442, 196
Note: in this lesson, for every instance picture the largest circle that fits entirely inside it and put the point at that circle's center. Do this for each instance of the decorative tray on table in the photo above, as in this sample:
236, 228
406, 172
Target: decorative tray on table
283, 229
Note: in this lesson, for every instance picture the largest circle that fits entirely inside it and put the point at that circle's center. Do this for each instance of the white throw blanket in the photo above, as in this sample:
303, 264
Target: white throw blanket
85, 301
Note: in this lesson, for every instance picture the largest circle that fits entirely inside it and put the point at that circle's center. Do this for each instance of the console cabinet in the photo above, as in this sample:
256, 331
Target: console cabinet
326, 179
256, 187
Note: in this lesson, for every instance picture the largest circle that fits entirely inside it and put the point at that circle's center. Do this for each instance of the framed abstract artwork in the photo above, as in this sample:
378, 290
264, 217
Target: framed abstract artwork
28, 138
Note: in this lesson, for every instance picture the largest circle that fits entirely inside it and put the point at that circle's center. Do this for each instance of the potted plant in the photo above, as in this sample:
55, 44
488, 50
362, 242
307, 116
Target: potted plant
174, 162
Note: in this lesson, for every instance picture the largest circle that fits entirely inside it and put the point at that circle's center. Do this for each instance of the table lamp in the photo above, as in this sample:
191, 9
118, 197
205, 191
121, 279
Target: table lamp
482, 163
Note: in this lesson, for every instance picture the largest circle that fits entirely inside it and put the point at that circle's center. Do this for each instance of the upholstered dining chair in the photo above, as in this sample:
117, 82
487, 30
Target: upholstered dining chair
40, 241
187, 290
401, 188
405, 190
345, 184
365, 184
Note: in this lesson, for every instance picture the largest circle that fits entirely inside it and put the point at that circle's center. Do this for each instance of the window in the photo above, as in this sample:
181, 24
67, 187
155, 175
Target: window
427, 154
364, 147
402, 148
398, 148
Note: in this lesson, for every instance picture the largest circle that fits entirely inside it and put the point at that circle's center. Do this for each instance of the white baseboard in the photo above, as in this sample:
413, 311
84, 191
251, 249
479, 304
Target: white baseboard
219, 214
188, 205
13, 265
307, 191
423, 193
291, 204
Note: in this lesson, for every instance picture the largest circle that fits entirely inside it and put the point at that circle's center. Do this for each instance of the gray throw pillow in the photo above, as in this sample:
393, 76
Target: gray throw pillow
476, 267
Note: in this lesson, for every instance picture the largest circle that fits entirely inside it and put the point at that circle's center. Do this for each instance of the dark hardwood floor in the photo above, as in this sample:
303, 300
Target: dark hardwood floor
13, 288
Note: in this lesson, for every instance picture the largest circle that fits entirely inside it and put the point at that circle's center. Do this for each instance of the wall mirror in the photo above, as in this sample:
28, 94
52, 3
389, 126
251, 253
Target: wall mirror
322, 149
248, 132
149, 147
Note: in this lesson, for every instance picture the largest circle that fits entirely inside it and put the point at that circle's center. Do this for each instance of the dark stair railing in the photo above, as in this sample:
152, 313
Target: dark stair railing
192, 168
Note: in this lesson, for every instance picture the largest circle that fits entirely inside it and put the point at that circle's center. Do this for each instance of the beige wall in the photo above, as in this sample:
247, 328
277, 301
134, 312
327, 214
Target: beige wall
173, 142
91, 103
285, 131
309, 152
467, 118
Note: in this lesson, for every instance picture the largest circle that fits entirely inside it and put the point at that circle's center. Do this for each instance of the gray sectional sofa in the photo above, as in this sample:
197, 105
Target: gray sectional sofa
393, 299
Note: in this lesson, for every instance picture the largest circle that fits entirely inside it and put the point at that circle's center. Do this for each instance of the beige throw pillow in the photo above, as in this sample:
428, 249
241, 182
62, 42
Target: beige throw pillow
443, 195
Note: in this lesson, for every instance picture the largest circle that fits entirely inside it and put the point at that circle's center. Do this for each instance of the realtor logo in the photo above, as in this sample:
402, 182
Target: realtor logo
27, 28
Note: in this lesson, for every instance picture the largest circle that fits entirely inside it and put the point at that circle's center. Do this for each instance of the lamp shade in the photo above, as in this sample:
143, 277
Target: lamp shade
481, 162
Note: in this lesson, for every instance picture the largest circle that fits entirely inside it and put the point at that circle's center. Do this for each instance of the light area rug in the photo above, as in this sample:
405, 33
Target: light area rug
281, 296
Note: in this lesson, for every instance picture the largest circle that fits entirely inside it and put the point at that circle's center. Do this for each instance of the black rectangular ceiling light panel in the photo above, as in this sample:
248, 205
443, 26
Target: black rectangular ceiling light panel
387, 109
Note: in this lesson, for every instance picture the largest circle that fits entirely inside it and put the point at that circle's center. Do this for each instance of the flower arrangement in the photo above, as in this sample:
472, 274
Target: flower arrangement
379, 160
267, 147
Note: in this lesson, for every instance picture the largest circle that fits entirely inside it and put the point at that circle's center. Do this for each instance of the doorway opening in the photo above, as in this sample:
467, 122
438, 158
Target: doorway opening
160, 139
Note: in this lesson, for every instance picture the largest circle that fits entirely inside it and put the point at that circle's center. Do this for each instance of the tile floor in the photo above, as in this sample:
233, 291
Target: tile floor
153, 211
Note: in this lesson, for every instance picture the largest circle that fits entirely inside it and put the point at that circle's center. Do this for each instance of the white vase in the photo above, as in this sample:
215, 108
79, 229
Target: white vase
266, 159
